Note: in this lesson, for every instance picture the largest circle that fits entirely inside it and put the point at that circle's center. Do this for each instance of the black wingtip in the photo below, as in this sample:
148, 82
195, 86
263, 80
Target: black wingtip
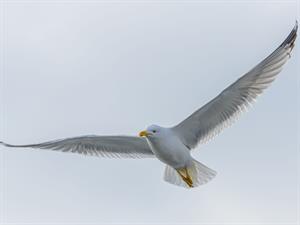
15, 146
295, 29
290, 40
4, 144
293, 35
7, 145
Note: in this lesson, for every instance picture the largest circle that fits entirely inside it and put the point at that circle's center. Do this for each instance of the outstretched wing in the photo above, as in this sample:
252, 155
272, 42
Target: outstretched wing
105, 146
223, 110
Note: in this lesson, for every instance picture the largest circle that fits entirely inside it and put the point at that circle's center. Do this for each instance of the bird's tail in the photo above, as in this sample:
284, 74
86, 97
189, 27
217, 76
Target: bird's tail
189, 177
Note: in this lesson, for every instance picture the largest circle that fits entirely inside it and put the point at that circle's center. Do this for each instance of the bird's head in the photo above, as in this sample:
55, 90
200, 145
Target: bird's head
151, 131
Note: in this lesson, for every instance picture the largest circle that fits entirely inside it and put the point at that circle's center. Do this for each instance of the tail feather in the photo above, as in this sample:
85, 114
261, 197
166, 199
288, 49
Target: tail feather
198, 172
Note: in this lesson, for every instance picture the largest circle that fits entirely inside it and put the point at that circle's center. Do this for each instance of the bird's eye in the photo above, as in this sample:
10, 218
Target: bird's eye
154, 131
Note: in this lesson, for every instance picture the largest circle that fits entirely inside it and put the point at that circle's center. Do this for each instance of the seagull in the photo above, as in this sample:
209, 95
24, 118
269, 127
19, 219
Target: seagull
173, 145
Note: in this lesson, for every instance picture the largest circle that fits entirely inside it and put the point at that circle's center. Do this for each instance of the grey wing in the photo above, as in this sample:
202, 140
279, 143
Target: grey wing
223, 110
105, 146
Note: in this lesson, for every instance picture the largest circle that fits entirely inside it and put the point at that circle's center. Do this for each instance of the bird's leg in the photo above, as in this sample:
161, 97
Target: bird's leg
184, 174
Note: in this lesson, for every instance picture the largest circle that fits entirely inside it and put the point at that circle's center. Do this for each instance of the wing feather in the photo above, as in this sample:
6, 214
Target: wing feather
223, 110
104, 146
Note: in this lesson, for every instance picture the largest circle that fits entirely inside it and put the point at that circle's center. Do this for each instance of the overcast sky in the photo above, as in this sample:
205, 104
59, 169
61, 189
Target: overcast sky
74, 68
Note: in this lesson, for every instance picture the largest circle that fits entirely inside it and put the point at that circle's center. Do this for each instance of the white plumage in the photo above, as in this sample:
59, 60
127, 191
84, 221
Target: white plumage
172, 145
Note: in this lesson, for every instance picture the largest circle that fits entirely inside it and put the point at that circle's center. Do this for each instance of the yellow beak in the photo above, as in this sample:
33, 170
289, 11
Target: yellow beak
143, 134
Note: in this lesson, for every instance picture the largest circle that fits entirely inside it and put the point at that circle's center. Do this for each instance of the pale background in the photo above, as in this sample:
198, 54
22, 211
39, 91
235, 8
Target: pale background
72, 68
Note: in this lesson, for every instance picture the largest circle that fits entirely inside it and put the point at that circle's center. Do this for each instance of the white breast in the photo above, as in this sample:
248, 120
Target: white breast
170, 150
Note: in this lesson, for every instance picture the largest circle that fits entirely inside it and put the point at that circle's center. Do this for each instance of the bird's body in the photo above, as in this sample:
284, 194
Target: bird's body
169, 149
173, 145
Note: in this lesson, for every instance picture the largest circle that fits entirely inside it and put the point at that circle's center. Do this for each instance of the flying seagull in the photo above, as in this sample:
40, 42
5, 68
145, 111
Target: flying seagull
173, 145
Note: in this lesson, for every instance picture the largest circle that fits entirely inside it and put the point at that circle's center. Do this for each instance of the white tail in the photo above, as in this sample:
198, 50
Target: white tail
198, 173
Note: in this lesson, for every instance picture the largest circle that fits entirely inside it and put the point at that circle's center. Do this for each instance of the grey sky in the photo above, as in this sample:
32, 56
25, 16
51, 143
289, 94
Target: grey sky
73, 68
